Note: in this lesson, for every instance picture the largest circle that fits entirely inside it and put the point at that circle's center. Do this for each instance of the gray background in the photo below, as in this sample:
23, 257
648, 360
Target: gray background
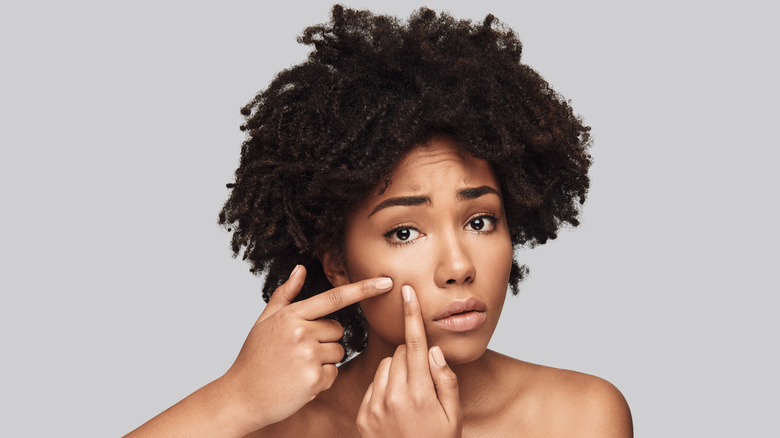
120, 130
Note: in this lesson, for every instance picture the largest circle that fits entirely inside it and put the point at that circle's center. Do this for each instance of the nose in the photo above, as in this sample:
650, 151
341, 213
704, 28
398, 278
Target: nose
455, 265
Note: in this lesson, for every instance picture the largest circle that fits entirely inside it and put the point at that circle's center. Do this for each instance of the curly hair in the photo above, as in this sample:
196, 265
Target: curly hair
329, 131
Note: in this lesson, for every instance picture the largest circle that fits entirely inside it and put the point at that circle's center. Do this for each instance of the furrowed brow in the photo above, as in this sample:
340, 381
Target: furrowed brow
403, 201
475, 192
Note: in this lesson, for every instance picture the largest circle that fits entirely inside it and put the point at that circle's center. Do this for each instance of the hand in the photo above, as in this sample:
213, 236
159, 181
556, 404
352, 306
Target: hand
290, 354
414, 393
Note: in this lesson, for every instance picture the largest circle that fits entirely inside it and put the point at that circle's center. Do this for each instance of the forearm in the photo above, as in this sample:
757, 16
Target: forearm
289, 357
211, 411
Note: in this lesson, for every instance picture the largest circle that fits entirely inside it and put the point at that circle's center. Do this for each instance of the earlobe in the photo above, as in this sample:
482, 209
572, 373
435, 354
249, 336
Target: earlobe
334, 269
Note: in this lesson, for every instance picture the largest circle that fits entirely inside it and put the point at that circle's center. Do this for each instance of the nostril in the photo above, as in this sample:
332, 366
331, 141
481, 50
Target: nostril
453, 281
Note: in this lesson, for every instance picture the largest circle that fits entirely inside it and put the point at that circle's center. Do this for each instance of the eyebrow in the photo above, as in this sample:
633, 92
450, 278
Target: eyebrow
402, 200
475, 192
410, 201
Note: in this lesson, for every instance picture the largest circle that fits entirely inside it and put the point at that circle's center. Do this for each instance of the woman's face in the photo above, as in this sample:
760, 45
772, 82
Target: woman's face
440, 228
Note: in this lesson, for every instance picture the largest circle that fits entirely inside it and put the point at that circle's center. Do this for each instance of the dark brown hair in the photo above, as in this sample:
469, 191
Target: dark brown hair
327, 132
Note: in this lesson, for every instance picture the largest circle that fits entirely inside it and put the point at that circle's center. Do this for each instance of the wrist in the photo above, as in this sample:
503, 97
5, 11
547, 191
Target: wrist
230, 410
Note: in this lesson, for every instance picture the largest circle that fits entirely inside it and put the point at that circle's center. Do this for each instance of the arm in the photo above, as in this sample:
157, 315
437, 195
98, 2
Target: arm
288, 358
208, 412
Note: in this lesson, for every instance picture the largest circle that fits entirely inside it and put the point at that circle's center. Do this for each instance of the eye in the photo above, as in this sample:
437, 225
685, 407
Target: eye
402, 235
484, 223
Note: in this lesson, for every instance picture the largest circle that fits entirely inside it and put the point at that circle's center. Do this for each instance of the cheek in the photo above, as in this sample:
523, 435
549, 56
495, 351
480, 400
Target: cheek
497, 261
384, 313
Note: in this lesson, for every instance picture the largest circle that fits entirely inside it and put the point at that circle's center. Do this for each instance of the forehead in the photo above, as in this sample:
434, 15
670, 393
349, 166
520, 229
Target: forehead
438, 165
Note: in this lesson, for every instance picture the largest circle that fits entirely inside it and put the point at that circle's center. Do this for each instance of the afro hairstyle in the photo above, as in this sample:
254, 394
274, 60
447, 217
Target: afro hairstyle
329, 131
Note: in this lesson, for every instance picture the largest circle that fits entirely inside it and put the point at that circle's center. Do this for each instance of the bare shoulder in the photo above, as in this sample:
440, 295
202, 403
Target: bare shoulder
557, 402
593, 406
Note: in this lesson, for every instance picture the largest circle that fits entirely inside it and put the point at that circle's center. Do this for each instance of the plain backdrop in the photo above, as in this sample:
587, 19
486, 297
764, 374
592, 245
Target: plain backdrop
119, 129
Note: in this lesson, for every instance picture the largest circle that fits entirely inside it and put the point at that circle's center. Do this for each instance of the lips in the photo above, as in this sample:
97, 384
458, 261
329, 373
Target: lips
462, 315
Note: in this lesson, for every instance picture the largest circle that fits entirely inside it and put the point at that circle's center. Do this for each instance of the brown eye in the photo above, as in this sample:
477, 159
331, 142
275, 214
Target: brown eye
402, 235
482, 223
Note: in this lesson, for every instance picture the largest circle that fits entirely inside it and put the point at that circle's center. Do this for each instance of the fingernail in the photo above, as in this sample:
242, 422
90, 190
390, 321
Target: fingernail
406, 292
294, 271
383, 283
438, 356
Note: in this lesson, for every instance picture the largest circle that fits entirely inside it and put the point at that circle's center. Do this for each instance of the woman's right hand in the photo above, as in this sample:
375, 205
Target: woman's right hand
290, 354
288, 358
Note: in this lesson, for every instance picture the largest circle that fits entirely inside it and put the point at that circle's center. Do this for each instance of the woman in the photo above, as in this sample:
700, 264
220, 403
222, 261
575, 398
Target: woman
382, 187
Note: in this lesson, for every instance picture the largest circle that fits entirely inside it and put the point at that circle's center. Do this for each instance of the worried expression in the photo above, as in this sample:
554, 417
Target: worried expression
439, 227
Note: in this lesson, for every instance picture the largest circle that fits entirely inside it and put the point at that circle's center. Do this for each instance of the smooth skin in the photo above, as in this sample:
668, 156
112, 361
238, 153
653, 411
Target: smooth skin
441, 235
444, 257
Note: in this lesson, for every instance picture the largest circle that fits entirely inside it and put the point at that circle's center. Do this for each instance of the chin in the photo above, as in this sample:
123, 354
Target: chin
462, 352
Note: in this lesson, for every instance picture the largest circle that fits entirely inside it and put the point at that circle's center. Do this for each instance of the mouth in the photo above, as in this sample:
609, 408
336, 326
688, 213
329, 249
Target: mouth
462, 315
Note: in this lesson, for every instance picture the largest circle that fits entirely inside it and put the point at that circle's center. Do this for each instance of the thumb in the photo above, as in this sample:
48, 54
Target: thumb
446, 383
284, 294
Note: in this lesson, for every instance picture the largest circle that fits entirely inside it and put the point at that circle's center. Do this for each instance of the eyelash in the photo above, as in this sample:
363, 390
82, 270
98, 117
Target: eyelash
389, 233
488, 216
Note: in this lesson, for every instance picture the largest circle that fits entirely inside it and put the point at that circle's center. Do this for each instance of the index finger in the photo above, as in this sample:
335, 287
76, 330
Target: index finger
416, 341
337, 298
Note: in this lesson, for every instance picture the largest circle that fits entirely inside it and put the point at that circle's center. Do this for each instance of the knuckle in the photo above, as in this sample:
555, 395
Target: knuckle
394, 401
368, 289
376, 410
416, 343
449, 381
361, 425
281, 293
298, 333
449, 375
418, 398
307, 353
312, 378
365, 421
335, 297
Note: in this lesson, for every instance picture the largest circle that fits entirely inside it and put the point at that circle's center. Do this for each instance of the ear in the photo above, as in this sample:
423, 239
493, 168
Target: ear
334, 269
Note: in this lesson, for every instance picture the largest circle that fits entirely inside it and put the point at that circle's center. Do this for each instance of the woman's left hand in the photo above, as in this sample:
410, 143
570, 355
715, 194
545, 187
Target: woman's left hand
414, 393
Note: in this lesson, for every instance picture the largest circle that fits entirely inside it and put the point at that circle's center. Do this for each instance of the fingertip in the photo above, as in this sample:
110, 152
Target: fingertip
298, 272
383, 284
407, 293
292, 286
437, 357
